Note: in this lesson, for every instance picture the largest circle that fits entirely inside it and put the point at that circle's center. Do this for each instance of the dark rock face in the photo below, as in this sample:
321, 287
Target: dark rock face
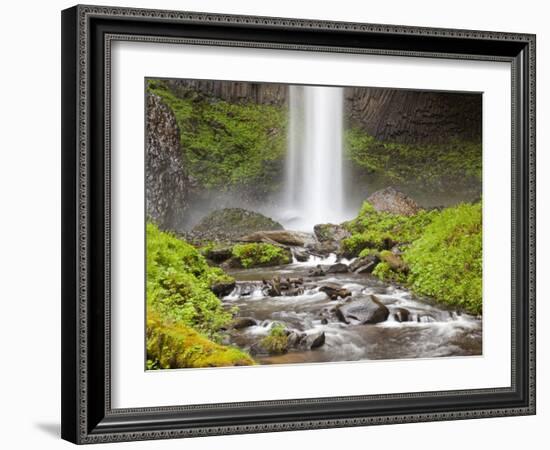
229, 224
233, 91
411, 117
364, 310
165, 180
300, 254
394, 202
364, 264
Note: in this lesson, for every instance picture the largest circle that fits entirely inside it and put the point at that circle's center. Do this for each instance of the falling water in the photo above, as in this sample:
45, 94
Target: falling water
314, 185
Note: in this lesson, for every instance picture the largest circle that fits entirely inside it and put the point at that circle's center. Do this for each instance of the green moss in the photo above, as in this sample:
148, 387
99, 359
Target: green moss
381, 230
442, 255
227, 144
260, 254
173, 345
427, 165
276, 343
446, 261
179, 281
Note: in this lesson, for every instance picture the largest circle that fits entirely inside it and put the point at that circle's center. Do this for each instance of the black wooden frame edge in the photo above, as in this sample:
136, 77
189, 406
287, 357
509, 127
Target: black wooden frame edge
86, 414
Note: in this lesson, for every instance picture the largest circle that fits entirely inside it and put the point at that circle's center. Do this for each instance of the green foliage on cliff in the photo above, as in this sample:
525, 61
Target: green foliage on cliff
184, 313
228, 144
428, 165
446, 261
442, 251
260, 254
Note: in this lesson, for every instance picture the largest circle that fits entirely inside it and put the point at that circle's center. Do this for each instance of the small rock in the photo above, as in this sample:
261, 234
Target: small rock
220, 254
301, 255
364, 310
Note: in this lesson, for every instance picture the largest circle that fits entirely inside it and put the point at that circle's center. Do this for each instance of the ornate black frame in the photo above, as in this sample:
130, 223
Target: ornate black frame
87, 31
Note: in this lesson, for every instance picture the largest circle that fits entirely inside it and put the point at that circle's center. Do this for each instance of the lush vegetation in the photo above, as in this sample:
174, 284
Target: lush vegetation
276, 342
260, 254
426, 165
441, 251
446, 261
380, 230
185, 316
228, 144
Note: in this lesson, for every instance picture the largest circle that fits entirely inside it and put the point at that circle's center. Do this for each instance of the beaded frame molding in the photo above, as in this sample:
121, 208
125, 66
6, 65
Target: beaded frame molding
87, 34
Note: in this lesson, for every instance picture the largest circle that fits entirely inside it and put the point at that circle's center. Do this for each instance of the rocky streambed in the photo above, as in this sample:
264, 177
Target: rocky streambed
329, 313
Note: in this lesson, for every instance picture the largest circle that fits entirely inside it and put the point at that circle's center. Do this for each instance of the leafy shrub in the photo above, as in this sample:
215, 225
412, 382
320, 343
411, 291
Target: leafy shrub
260, 254
276, 343
446, 261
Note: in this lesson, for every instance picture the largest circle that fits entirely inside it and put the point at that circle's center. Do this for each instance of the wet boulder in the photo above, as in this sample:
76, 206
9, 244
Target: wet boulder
223, 288
338, 268
243, 322
329, 232
316, 340
401, 314
316, 272
392, 201
363, 310
334, 291
300, 254
364, 264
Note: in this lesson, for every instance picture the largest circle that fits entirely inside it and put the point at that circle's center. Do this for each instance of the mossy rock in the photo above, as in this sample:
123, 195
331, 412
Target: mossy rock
231, 223
175, 346
261, 255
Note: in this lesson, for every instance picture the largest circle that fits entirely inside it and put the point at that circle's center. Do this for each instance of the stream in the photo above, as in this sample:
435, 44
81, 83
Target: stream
414, 328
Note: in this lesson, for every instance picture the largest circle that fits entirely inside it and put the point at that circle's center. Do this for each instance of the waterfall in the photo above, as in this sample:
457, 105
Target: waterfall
314, 180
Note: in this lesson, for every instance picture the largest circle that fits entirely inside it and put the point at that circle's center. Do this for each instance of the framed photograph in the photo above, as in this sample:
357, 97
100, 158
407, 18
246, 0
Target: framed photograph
281, 224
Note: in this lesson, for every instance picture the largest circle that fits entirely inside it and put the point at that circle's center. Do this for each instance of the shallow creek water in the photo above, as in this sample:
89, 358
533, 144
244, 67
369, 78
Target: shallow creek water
431, 330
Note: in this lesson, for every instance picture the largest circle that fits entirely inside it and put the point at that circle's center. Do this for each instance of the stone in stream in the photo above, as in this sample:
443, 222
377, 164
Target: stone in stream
334, 291
243, 322
338, 268
365, 264
223, 288
300, 254
363, 310
401, 314
316, 340
317, 272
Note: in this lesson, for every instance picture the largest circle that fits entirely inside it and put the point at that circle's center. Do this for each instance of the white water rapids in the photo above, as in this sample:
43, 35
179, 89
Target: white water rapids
314, 186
